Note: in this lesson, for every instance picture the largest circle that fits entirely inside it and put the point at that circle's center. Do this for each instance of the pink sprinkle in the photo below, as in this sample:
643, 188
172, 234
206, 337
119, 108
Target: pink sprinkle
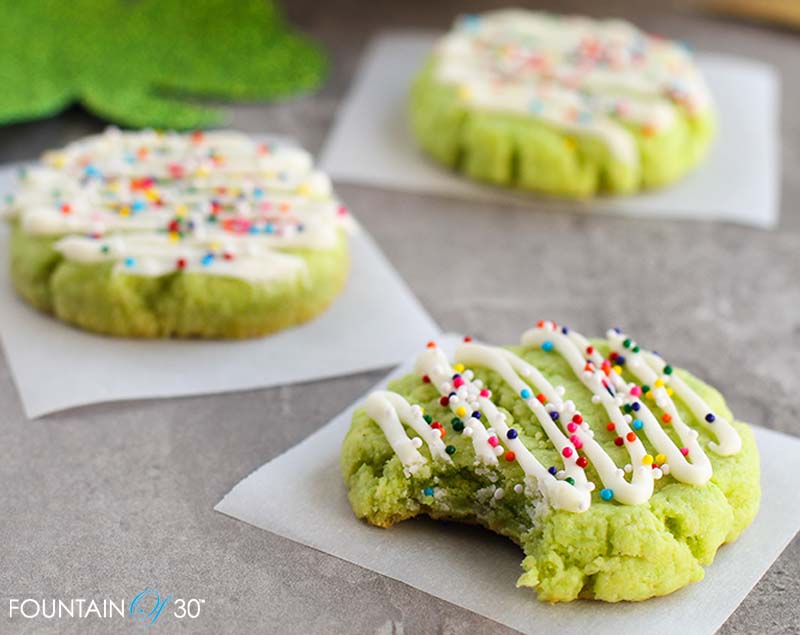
685, 451
572, 427
636, 391
485, 393
576, 441
458, 382
567, 452
493, 442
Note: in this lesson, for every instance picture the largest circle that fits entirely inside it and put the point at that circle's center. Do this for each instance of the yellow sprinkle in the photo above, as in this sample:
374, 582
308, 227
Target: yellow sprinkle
421, 410
647, 460
181, 210
459, 368
174, 237
570, 143
214, 246
464, 93
618, 369
152, 195
303, 189
461, 411
659, 383
660, 458
670, 392
650, 395
124, 211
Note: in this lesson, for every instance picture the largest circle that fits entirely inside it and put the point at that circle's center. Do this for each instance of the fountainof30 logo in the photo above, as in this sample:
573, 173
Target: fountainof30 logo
146, 607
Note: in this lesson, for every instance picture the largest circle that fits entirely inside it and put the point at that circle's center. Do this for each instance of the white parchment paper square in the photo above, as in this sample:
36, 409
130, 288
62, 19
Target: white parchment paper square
300, 495
56, 366
739, 182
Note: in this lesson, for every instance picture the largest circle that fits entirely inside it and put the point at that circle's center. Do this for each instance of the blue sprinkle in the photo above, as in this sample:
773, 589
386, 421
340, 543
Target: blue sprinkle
476, 415
207, 259
253, 229
301, 227
552, 469
619, 359
456, 376
617, 330
710, 418
554, 415
636, 406
90, 170
258, 192
471, 22
565, 330
428, 491
130, 262
452, 394
547, 346
138, 206
268, 228
637, 424
525, 393
511, 434
606, 494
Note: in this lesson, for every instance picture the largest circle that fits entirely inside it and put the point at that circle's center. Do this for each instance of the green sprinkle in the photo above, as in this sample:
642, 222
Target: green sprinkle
458, 425
450, 449
428, 419
570, 480
627, 343
636, 349
104, 249
667, 369
645, 388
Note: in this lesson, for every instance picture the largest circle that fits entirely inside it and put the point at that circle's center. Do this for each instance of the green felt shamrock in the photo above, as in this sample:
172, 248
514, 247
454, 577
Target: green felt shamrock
147, 63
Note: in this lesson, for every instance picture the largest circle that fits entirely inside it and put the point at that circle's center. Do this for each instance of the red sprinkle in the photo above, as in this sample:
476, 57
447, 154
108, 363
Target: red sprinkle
444, 401
510, 456
541, 398
577, 418
666, 417
181, 263
619, 441
610, 426
582, 462
467, 339
631, 437
426, 379
431, 344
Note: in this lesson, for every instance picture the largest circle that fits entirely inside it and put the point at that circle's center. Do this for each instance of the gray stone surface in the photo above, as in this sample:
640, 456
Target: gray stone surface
104, 500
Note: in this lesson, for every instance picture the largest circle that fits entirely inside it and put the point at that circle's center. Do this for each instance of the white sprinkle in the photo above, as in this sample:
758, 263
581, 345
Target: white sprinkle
561, 390
596, 398
416, 442
498, 450
628, 468
468, 431
665, 468
657, 473
518, 488
499, 493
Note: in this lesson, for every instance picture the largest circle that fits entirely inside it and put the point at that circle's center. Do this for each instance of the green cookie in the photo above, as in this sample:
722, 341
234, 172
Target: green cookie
562, 106
614, 488
165, 235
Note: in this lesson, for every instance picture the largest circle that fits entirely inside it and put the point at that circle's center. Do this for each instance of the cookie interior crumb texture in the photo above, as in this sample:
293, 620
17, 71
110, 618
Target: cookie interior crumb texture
636, 489
561, 105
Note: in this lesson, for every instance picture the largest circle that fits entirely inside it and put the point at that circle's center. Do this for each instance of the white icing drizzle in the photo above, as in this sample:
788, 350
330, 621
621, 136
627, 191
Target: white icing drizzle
649, 369
593, 77
389, 409
217, 203
564, 426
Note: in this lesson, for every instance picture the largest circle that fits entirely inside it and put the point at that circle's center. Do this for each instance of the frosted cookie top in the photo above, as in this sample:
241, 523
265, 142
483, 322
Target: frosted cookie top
638, 410
218, 203
587, 76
